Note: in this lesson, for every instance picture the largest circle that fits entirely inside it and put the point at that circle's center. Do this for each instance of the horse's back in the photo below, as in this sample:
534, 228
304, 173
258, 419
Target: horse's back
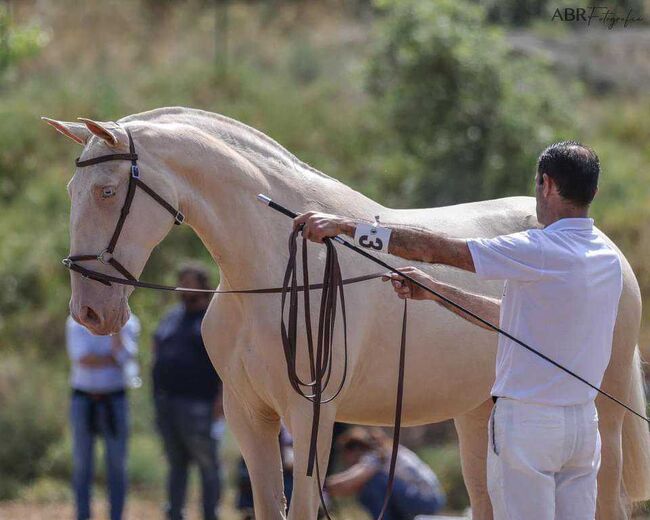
474, 219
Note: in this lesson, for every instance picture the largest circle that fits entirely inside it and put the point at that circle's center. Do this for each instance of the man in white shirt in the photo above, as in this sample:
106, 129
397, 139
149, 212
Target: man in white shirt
563, 284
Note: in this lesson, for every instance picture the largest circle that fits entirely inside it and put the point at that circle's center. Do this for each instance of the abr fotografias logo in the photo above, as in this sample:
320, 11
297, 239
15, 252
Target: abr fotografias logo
607, 16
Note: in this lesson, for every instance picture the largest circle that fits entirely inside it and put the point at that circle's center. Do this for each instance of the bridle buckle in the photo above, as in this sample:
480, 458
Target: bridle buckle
135, 171
67, 262
179, 218
102, 256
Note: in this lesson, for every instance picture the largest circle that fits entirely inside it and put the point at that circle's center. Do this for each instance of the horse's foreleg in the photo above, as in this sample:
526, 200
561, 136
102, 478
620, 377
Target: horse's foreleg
257, 433
305, 499
472, 437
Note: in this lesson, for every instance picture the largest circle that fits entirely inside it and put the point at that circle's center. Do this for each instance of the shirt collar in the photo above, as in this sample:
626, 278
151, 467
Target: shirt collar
571, 223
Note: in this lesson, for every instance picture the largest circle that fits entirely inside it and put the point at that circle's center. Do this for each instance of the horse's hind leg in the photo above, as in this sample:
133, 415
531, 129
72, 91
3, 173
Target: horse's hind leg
611, 498
472, 437
257, 433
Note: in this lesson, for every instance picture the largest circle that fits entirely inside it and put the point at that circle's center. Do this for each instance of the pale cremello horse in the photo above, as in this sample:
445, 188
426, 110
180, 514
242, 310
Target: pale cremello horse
212, 168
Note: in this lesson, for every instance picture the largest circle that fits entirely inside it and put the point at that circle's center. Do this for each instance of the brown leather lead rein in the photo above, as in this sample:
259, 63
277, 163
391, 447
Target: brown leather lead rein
321, 355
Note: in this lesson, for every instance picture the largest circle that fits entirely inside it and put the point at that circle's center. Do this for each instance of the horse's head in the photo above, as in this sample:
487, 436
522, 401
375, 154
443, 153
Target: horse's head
98, 193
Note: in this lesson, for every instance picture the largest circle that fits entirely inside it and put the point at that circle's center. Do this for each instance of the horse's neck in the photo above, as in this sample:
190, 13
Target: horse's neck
218, 188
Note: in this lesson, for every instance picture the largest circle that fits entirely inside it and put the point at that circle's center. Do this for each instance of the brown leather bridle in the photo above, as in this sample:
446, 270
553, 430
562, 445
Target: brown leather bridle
106, 256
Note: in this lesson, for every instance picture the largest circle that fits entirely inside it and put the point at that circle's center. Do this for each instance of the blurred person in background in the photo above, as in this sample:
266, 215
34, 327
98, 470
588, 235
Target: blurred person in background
102, 368
416, 490
187, 396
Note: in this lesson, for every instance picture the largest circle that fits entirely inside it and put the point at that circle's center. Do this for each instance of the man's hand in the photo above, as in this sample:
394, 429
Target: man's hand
318, 226
405, 288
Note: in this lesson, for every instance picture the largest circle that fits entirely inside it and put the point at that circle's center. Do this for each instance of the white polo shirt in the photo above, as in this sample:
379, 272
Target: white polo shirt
563, 285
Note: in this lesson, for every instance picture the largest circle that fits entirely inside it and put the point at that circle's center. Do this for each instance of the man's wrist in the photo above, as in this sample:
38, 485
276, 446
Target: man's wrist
434, 286
348, 227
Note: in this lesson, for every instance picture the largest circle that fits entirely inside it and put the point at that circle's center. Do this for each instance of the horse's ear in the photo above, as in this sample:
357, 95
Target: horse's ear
100, 130
75, 131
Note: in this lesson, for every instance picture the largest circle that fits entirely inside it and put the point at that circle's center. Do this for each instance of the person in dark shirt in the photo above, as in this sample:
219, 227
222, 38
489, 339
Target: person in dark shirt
416, 490
187, 395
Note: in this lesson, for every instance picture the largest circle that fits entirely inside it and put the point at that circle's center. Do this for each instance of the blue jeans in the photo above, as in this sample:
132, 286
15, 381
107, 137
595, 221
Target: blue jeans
107, 418
405, 502
185, 426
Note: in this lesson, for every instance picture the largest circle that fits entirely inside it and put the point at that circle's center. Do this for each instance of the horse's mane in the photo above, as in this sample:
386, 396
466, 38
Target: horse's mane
255, 145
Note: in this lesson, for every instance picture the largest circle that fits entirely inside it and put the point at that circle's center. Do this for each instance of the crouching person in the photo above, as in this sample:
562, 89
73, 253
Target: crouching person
416, 490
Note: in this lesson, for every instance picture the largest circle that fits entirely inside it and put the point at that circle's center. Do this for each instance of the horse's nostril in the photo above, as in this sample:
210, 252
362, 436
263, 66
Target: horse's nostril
89, 316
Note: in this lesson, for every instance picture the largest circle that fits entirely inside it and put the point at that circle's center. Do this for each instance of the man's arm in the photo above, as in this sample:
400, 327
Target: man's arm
97, 361
411, 243
483, 306
350, 481
79, 351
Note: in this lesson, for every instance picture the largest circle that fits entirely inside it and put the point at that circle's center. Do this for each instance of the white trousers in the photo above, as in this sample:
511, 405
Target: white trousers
543, 461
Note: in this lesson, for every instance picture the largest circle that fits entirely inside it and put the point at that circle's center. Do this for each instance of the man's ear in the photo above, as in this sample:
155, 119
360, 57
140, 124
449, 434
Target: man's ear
78, 132
549, 185
100, 130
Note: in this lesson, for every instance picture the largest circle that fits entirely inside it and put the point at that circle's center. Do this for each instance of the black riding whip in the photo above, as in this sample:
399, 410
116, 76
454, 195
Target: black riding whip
266, 200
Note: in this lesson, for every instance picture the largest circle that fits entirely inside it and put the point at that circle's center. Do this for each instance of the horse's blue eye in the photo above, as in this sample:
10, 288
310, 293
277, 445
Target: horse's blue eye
107, 192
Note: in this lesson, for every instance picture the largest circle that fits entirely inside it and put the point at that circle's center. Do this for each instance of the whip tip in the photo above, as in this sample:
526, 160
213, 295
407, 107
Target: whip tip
264, 199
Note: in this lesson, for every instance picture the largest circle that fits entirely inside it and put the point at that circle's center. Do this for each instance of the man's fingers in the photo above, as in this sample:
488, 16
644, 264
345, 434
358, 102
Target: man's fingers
299, 221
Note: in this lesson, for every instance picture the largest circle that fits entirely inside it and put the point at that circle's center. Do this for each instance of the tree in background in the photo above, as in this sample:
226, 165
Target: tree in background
17, 44
522, 13
470, 114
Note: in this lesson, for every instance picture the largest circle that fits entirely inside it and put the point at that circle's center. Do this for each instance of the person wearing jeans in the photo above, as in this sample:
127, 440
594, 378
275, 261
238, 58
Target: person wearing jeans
187, 398
99, 408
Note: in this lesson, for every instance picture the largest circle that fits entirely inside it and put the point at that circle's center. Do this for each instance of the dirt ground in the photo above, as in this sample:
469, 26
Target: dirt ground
137, 509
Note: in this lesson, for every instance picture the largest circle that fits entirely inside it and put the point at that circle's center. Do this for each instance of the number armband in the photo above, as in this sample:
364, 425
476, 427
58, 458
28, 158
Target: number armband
372, 236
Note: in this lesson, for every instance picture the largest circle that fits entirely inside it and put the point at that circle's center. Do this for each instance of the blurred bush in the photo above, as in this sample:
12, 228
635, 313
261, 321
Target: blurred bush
31, 420
18, 43
445, 462
472, 116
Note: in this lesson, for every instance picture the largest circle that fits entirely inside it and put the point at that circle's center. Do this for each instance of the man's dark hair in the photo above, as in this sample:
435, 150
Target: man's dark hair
198, 271
574, 168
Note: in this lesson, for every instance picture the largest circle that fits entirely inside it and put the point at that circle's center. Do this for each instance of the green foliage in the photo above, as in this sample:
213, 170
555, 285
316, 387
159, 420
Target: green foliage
472, 115
445, 462
30, 421
514, 12
17, 43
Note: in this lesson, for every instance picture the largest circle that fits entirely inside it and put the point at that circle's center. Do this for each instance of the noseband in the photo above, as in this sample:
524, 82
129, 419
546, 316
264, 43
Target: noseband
106, 256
